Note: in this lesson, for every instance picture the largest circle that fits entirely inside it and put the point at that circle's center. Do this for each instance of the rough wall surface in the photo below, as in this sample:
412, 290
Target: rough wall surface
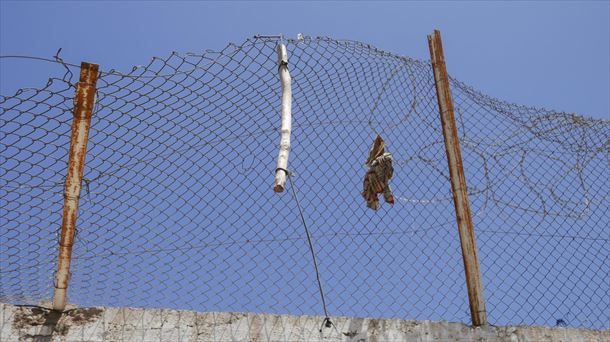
127, 324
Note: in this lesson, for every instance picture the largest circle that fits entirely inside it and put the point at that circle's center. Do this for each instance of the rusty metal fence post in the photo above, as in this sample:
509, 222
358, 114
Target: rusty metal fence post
83, 107
458, 182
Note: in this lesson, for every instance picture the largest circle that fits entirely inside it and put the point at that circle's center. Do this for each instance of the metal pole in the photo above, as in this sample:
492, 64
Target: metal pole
83, 107
458, 182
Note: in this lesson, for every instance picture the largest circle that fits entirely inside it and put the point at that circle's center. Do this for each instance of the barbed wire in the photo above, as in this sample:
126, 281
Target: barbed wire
178, 209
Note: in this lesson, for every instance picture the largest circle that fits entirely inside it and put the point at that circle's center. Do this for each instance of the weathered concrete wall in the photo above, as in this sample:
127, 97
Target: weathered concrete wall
125, 324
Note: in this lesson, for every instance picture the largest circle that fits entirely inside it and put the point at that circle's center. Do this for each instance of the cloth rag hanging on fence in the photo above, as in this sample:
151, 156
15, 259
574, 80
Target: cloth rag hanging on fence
377, 178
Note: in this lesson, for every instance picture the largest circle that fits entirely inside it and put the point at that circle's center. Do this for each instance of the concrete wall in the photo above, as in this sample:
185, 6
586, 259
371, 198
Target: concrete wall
125, 324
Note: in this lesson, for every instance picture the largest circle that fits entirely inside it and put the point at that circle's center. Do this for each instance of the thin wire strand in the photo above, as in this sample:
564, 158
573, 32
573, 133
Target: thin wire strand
311, 248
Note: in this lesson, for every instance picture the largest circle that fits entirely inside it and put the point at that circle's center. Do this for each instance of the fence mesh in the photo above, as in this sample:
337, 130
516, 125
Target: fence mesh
177, 208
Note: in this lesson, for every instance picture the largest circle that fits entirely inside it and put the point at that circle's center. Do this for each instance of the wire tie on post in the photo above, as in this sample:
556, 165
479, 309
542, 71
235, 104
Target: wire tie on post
288, 173
73, 198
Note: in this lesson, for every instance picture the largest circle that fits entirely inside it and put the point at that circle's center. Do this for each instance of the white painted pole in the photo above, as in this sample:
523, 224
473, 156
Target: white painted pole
285, 130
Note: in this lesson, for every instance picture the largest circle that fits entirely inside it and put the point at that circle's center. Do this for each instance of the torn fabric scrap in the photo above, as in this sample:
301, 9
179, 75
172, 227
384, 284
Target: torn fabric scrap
376, 179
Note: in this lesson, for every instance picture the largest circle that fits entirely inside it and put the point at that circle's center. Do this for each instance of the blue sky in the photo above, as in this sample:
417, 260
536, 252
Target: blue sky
552, 54
189, 224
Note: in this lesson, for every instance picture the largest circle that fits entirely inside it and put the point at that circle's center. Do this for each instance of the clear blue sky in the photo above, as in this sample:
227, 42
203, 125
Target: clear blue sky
552, 54
547, 54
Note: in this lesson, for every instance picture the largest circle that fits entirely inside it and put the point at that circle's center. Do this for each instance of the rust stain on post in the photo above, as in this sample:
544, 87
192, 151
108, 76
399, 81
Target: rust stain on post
458, 182
85, 98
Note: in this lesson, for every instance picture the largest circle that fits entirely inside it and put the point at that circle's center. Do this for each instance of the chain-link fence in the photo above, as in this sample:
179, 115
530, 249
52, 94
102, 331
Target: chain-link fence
178, 209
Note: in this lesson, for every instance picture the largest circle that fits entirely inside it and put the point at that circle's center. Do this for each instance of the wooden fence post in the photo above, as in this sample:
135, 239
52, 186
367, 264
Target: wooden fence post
83, 108
458, 182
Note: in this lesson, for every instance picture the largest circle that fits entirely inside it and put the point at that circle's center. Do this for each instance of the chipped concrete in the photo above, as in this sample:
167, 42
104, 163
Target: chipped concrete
127, 324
